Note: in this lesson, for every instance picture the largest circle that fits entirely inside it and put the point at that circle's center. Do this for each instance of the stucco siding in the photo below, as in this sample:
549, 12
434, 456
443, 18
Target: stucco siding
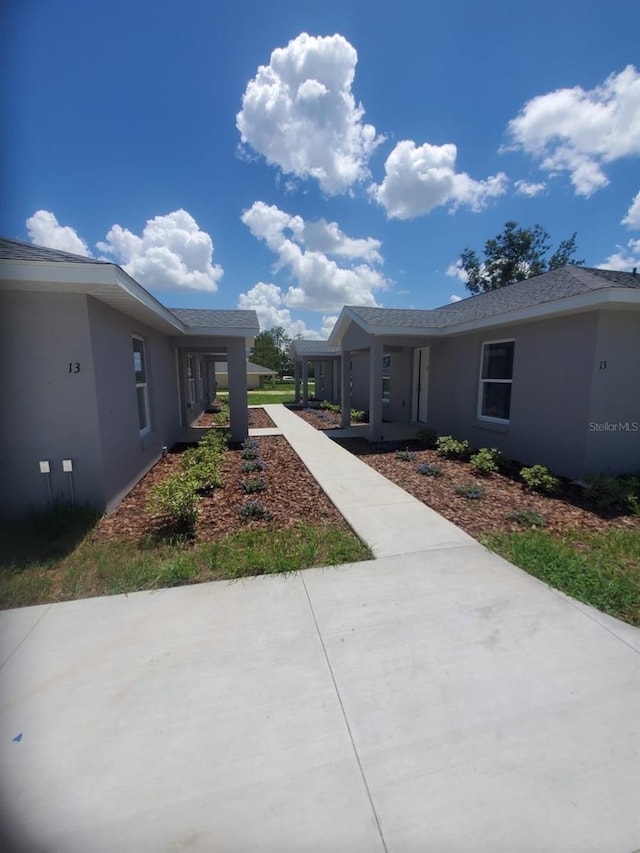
613, 437
47, 388
398, 410
360, 380
127, 455
550, 393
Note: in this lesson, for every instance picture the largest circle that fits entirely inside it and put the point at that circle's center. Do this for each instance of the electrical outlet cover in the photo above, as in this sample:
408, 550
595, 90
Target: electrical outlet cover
67, 465
45, 468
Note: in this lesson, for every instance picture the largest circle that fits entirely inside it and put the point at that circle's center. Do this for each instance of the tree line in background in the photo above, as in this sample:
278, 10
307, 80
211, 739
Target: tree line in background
271, 349
514, 255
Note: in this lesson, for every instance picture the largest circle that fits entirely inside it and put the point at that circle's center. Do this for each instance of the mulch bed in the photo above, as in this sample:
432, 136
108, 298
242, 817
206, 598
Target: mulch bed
258, 419
292, 496
323, 418
503, 495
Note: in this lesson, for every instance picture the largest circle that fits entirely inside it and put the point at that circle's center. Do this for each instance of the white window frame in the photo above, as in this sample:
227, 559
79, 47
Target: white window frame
142, 385
191, 382
482, 381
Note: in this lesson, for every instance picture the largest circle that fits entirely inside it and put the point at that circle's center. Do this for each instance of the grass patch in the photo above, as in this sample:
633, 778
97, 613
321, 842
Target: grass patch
601, 569
108, 568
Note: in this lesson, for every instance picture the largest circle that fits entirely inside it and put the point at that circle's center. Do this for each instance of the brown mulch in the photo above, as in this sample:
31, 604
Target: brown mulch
322, 418
258, 419
292, 496
503, 495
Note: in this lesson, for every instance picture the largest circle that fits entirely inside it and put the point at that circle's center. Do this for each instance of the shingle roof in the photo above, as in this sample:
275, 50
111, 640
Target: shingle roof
551, 286
214, 318
15, 250
222, 367
302, 347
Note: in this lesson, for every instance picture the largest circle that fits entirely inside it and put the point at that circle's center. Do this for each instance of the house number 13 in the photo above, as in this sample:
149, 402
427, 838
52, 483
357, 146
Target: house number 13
74, 367
603, 365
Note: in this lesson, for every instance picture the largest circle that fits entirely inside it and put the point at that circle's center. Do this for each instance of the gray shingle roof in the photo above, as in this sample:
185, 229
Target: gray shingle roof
302, 347
551, 286
15, 250
222, 367
214, 318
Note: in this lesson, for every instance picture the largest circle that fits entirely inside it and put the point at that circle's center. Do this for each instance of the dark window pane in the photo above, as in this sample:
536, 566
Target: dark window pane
497, 362
496, 400
142, 408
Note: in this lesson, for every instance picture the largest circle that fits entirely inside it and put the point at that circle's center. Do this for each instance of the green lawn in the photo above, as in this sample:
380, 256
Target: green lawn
282, 392
601, 569
54, 558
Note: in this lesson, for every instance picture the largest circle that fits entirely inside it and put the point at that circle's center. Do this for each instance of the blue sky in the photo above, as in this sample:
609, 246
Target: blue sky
294, 157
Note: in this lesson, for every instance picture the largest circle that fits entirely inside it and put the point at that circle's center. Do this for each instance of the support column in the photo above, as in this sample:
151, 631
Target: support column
376, 351
345, 383
296, 368
327, 376
237, 372
305, 383
336, 372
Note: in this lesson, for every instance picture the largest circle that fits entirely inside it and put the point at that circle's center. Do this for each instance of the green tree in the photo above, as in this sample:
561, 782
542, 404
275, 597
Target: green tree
271, 349
514, 255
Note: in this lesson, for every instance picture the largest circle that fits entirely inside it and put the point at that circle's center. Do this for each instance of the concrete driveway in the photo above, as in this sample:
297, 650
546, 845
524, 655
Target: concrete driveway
439, 701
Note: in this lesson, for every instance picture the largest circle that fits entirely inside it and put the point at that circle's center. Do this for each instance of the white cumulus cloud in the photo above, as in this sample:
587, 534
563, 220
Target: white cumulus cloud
632, 217
319, 282
455, 298
580, 131
419, 178
529, 189
456, 271
267, 301
45, 230
172, 253
299, 112
625, 258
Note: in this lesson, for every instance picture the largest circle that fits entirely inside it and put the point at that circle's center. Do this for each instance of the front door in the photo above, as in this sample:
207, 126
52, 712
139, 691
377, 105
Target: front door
421, 384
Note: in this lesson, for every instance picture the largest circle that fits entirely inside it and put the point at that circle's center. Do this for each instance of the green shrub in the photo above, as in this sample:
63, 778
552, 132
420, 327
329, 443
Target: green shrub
202, 463
250, 449
527, 518
429, 470
251, 465
177, 498
451, 448
331, 407
485, 461
537, 478
254, 509
251, 485
405, 455
428, 437
614, 494
358, 416
473, 491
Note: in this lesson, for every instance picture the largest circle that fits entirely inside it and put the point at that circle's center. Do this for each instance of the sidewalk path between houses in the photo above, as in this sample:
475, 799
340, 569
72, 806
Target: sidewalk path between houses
433, 700
386, 517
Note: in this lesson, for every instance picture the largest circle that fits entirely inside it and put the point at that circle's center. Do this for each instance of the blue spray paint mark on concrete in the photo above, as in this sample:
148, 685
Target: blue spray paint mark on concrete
17, 738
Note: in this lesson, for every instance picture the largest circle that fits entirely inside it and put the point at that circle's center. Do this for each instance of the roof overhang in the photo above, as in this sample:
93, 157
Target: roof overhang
107, 283
612, 298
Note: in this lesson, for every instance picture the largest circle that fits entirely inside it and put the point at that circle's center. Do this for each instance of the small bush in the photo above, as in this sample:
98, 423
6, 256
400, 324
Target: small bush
527, 518
405, 455
537, 478
253, 509
331, 407
251, 465
252, 485
451, 448
428, 437
614, 494
429, 470
250, 449
358, 416
472, 492
485, 461
176, 497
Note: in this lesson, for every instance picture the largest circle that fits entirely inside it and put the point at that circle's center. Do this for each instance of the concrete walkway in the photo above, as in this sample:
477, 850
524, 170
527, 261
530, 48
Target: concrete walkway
434, 699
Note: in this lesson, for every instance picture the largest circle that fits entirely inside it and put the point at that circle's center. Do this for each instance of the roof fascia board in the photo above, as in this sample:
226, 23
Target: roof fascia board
137, 292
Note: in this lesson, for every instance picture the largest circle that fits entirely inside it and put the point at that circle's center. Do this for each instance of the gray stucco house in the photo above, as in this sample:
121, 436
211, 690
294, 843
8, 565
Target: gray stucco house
547, 369
325, 359
99, 376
